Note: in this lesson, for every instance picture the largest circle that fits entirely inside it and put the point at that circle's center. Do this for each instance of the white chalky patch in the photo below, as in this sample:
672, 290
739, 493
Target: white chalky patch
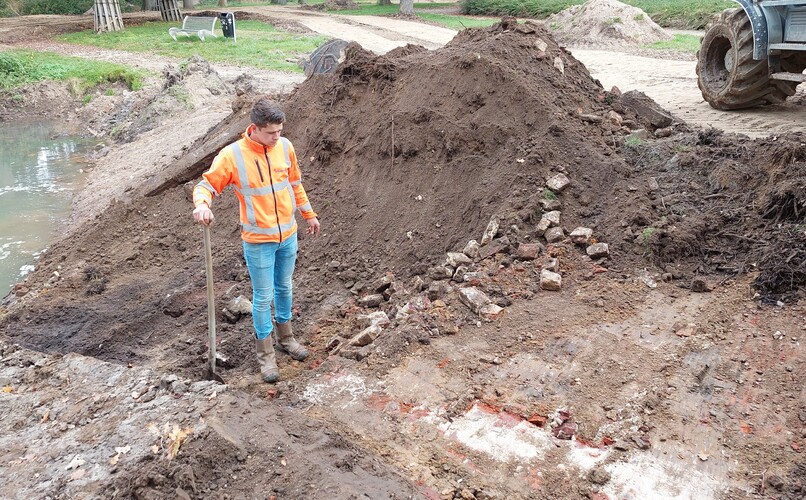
650, 478
336, 390
585, 457
491, 434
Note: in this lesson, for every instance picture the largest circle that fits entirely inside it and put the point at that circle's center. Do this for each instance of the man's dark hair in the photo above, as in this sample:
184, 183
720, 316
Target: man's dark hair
265, 111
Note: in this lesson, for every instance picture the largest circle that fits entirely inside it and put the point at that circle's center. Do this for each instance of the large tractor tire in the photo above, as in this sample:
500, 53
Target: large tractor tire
728, 76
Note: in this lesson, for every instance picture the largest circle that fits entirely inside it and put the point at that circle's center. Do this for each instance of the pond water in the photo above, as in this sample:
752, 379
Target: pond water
39, 171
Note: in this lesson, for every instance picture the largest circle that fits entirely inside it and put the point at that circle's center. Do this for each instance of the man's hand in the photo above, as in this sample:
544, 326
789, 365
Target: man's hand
203, 215
313, 226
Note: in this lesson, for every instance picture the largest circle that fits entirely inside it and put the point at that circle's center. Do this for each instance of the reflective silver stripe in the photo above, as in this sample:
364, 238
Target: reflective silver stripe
208, 186
306, 208
264, 190
243, 177
286, 142
250, 228
296, 183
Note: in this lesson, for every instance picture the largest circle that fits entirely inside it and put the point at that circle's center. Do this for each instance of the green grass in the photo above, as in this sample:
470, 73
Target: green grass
522, 8
670, 13
24, 67
457, 23
446, 20
259, 45
680, 43
692, 14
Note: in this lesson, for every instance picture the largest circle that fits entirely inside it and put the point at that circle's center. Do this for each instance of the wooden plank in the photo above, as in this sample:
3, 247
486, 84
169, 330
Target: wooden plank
118, 15
105, 20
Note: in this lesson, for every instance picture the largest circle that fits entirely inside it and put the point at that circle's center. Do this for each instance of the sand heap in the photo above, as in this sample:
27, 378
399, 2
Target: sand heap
605, 22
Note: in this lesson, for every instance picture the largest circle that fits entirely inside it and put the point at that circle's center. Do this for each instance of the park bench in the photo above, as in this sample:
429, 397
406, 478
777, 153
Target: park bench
195, 25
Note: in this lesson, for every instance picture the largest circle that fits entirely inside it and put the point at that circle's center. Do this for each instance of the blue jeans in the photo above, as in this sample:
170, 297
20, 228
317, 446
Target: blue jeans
270, 268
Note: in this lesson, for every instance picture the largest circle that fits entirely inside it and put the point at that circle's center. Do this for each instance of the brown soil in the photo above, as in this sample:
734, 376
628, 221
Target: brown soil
408, 156
605, 22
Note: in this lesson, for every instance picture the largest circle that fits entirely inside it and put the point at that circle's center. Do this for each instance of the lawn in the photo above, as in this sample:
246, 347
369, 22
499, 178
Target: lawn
20, 67
680, 43
260, 45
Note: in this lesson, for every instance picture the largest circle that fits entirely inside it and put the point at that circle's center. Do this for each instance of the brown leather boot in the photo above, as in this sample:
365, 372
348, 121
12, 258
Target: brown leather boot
267, 360
287, 342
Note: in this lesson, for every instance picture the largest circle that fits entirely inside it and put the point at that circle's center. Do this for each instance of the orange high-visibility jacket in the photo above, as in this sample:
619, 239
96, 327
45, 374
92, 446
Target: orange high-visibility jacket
267, 182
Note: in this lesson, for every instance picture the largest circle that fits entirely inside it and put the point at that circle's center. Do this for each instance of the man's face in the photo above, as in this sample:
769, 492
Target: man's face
267, 135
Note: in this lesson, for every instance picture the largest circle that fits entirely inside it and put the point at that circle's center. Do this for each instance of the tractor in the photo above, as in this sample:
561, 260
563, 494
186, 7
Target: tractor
753, 55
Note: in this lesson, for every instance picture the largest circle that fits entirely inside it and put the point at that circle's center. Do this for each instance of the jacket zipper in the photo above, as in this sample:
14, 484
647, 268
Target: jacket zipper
273, 194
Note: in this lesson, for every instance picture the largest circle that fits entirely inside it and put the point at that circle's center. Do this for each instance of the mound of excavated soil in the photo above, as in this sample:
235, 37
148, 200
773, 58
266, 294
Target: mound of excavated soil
605, 22
412, 153
407, 156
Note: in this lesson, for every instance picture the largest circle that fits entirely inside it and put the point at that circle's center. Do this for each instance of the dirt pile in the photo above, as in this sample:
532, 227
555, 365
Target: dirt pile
605, 22
448, 139
726, 206
445, 141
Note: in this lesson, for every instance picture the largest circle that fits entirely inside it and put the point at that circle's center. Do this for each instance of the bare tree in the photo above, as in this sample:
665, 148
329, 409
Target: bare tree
406, 7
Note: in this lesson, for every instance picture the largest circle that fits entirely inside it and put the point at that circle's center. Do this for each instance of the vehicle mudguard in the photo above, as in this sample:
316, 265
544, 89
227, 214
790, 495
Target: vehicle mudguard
761, 32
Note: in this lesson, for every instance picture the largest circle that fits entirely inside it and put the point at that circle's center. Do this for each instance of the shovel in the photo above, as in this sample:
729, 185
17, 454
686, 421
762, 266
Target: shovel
208, 260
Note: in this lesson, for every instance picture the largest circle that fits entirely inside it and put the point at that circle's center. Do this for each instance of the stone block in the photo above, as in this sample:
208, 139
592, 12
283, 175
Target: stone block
598, 251
456, 259
491, 312
528, 251
373, 300
558, 183
490, 232
550, 281
553, 217
471, 249
554, 234
366, 336
376, 318
473, 298
581, 235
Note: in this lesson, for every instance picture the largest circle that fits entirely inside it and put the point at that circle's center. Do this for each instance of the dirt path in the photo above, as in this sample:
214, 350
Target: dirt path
673, 85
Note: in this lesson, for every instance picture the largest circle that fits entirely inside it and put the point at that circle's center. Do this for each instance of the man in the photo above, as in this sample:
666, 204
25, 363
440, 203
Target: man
262, 168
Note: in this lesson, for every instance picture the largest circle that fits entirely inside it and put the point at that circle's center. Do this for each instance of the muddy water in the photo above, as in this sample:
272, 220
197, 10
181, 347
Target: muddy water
39, 171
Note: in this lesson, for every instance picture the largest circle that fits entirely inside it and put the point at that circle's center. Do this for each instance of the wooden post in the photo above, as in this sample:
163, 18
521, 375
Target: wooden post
169, 10
107, 16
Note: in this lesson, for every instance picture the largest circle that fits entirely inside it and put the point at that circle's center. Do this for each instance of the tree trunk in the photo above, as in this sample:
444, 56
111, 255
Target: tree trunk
406, 7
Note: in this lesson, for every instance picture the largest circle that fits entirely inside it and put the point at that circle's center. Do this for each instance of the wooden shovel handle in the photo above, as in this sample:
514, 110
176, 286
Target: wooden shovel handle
208, 260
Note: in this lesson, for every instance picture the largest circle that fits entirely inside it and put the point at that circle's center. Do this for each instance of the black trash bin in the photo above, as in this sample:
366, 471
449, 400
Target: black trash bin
228, 24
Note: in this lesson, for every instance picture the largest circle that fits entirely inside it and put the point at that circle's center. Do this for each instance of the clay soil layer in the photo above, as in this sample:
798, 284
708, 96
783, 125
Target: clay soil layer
667, 365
